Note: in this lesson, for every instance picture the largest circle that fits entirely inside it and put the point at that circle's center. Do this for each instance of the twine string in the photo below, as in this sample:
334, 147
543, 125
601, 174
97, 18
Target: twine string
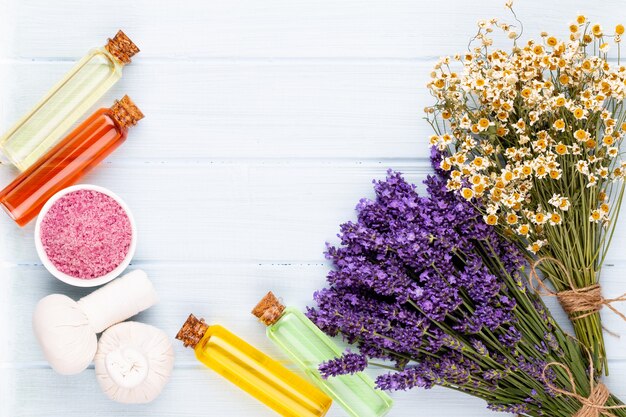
577, 302
594, 404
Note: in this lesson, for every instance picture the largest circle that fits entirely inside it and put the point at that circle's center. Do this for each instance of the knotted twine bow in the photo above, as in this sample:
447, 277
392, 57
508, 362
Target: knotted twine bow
594, 404
588, 300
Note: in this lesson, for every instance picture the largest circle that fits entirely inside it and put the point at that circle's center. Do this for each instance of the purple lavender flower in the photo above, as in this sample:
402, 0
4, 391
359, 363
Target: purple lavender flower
348, 363
424, 282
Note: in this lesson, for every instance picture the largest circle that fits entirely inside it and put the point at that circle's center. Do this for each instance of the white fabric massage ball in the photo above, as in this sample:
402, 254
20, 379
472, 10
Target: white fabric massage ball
65, 334
134, 362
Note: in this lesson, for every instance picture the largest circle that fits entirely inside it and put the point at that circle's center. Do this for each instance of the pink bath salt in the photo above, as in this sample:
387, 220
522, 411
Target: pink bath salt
86, 234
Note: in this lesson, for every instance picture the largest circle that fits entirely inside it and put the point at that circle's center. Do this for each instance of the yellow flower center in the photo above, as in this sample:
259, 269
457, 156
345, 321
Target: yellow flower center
492, 219
511, 218
561, 149
580, 134
596, 30
579, 113
467, 193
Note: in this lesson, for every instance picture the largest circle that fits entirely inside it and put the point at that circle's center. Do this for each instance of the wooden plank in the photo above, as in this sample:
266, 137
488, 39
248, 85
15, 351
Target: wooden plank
255, 110
227, 212
278, 28
222, 211
223, 294
190, 393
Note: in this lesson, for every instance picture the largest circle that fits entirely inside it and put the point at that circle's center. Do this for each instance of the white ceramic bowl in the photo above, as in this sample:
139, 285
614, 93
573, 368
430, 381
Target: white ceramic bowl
68, 279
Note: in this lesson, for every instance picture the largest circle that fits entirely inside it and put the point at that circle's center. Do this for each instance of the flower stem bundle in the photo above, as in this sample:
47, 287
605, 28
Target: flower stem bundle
532, 136
423, 285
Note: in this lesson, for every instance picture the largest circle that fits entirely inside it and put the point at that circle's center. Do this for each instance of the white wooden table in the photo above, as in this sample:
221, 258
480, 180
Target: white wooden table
265, 123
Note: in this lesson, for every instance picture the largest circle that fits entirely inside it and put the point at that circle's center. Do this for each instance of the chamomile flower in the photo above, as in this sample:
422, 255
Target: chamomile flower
559, 125
467, 193
595, 216
536, 246
523, 229
491, 219
555, 219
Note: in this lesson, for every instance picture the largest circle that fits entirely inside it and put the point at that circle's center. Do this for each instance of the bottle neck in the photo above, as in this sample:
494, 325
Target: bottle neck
125, 113
121, 47
192, 331
269, 310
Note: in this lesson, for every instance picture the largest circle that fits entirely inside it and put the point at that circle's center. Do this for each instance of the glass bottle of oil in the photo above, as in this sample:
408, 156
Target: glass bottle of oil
69, 160
66, 102
252, 370
308, 346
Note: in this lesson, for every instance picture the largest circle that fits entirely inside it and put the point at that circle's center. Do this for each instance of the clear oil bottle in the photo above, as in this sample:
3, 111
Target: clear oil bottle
69, 160
308, 346
252, 370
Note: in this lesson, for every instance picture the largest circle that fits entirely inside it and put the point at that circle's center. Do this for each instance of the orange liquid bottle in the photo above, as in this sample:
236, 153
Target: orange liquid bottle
253, 371
68, 161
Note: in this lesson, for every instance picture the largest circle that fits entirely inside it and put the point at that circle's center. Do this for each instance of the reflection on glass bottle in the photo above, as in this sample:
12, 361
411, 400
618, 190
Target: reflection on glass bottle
68, 161
66, 102
308, 346
253, 371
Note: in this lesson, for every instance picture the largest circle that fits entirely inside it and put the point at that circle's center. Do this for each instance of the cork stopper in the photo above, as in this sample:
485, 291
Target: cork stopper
121, 47
192, 331
269, 309
125, 112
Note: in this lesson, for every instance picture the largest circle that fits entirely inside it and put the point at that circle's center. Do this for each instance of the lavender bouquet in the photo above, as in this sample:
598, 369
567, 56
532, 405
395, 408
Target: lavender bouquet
423, 284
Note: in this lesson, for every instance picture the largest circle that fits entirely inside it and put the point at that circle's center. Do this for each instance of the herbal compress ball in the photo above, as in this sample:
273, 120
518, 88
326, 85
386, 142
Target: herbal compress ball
134, 362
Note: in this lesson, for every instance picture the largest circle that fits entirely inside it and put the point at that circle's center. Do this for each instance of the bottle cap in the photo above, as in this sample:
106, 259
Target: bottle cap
121, 47
269, 309
125, 112
192, 331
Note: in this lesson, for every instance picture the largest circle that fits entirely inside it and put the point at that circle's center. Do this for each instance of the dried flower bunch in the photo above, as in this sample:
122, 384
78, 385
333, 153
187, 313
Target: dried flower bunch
424, 284
532, 136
